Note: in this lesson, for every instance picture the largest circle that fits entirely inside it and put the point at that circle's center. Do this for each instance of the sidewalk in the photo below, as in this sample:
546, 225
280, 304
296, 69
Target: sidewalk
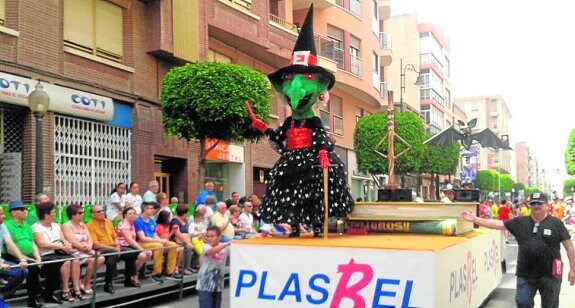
504, 295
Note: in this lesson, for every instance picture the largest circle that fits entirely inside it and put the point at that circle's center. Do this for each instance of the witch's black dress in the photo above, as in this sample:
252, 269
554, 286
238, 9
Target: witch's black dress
294, 189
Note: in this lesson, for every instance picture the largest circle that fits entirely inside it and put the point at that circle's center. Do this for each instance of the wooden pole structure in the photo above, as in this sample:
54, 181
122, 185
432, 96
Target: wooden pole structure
325, 202
391, 184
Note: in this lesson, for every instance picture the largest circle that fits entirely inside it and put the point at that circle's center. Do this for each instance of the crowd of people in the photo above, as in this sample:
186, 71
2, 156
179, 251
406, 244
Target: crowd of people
130, 228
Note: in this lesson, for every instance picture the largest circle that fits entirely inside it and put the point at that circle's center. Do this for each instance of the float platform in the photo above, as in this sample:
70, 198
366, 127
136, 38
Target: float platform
379, 270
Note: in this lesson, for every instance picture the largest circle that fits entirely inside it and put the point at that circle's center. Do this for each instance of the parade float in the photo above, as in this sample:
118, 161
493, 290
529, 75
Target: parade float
382, 254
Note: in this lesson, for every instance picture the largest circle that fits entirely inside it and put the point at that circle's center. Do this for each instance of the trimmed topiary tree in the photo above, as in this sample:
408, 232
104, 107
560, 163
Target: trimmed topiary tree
206, 101
369, 131
570, 154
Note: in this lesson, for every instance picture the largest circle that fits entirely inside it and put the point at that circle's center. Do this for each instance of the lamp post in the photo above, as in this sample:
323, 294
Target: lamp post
418, 82
39, 101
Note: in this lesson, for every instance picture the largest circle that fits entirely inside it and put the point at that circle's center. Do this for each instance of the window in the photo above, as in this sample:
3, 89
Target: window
95, 27
493, 105
214, 56
355, 7
494, 123
334, 45
474, 107
2, 12
375, 18
355, 55
360, 113
332, 115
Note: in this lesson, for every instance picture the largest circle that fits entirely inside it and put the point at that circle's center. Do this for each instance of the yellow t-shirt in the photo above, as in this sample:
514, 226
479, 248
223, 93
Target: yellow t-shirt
525, 211
220, 219
494, 211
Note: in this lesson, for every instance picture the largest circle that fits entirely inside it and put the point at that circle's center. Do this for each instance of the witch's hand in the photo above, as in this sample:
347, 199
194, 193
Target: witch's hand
323, 159
257, 123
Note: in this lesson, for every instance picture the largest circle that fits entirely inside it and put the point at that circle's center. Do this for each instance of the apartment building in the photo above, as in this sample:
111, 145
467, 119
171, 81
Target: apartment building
102, 63
491, 112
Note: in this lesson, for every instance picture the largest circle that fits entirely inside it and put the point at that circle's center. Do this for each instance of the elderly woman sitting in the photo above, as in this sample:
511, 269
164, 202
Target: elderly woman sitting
53, 246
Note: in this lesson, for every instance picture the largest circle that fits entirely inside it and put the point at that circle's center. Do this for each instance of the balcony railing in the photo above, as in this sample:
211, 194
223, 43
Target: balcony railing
431, 94
429, 58
330, 49
384, 40
283, 23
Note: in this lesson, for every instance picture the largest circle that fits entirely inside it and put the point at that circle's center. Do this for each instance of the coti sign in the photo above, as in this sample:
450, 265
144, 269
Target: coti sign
15, 90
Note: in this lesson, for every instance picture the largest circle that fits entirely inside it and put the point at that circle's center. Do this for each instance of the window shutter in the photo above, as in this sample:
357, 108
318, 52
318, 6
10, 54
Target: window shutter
78, 25
109, 30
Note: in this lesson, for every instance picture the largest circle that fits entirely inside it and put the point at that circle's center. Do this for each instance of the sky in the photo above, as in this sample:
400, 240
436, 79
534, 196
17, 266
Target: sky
523, 50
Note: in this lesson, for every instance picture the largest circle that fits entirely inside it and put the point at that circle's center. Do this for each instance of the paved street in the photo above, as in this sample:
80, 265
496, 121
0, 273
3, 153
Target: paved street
504, 295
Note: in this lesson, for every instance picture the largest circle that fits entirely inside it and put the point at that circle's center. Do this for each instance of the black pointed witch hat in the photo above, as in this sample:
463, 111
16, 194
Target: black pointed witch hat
304, 57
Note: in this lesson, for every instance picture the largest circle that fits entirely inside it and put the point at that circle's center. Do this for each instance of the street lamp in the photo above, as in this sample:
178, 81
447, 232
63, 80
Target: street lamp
39, 101
418, 82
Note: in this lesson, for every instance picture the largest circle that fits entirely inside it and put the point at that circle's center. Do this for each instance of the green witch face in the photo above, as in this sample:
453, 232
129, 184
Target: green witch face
301, 92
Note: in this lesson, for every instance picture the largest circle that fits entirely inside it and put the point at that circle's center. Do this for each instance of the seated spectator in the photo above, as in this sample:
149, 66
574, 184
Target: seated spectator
127, 240
207, 213
106, 241
247, 218
145, 226
76, 232
165, 231
222, 221
53, 246
181, 235
197, 230
26, 250
162, 200
117, 202
240, 229
133, 198
13, 276
174, 200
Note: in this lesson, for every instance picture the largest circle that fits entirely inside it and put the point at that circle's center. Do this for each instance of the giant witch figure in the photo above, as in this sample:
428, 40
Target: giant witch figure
294, 191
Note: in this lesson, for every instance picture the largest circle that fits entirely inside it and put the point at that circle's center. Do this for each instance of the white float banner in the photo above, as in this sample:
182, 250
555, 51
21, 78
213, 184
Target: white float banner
15, 90
469, 271
299, 276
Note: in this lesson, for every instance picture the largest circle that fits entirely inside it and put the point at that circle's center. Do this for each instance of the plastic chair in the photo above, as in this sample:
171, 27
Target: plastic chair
32, 216
116, 222
87, 213
63, 217
191, 210
173, 209
6, 212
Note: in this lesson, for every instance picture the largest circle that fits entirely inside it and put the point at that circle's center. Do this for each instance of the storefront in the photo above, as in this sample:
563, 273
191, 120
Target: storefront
89, 141
362, 185
225, 167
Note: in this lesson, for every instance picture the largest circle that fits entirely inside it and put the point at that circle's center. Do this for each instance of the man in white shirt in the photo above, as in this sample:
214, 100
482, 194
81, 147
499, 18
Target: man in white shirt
150, 194
246, 218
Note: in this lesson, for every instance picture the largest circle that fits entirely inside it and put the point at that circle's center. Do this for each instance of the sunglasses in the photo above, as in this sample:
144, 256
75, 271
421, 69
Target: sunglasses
98, 212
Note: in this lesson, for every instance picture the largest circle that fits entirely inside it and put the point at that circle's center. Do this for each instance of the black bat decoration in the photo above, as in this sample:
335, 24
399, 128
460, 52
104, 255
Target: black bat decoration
450, 135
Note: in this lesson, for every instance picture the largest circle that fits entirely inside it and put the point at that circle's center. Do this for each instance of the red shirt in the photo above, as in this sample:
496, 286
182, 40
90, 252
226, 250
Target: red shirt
504, 213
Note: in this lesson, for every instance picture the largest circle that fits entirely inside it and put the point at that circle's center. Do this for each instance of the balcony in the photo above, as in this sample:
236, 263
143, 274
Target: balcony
430, 59
386, 55
330, 52
277, 21
317, 4
384, 7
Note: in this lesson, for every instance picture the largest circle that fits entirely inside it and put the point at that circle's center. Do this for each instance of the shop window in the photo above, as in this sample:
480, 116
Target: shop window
11, 145
94, 27
90, 158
